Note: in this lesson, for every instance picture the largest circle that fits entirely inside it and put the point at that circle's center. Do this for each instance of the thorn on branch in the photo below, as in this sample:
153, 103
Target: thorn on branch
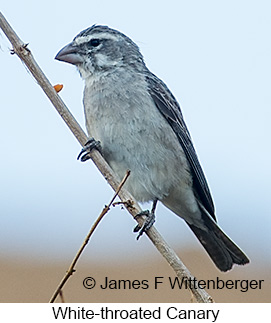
127, 204
21, 49
24, 46
70, 271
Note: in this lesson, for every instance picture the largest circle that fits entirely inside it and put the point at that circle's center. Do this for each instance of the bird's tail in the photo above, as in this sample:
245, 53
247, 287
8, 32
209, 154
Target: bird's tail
223, 251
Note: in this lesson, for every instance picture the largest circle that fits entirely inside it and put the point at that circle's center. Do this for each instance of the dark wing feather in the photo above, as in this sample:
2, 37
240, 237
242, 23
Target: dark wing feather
169, 107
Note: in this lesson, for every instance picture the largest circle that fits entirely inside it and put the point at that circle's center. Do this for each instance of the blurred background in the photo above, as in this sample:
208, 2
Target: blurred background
215, 58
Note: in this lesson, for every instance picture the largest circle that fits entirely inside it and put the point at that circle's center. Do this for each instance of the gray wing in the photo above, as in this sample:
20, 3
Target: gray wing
170, 109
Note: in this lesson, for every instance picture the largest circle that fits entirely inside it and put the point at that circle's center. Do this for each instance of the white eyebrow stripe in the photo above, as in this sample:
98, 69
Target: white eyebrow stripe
86, 39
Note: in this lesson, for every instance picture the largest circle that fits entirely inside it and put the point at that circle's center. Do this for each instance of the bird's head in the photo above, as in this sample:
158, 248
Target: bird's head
98, 49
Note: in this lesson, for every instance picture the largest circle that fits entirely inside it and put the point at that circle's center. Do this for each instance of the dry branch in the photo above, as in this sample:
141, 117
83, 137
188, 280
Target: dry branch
71, 269
167, 252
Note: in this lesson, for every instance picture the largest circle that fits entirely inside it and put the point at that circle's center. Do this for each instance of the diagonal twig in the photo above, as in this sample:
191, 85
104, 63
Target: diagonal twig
71, 269
166, 251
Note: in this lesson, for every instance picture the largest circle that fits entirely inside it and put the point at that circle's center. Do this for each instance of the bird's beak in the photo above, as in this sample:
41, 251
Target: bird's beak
69, 54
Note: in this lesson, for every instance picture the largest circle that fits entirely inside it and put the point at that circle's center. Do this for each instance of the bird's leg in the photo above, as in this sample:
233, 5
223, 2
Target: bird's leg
149, 221
89, 145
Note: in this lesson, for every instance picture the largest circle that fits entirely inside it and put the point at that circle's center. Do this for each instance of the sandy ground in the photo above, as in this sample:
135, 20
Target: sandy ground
30, 281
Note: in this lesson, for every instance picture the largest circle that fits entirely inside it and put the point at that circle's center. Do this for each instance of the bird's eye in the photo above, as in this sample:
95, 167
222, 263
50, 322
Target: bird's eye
95, 42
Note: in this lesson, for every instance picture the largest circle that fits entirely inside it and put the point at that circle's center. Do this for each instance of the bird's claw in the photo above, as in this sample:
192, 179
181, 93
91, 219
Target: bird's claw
148, 223
90, 144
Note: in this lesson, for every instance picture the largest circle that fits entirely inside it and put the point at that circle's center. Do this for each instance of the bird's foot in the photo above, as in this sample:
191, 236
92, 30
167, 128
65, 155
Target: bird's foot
89, 146
149, 221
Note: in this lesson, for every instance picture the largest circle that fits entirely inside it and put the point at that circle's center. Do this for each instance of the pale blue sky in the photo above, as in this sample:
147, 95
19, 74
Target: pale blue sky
213, 55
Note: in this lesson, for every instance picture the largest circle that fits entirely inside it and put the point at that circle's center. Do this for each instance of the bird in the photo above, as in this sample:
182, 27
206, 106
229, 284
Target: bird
135, 121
